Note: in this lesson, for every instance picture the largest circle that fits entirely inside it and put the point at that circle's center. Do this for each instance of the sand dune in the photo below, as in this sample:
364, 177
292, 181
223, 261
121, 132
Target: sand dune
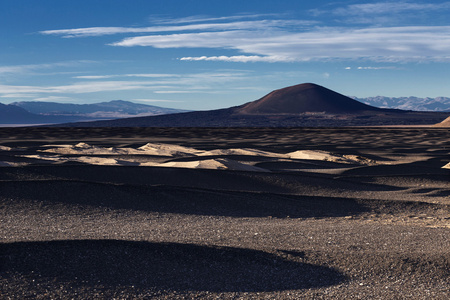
241, 151
445, 123
147, 149
328, 156
4, 148
242, 159
216, 164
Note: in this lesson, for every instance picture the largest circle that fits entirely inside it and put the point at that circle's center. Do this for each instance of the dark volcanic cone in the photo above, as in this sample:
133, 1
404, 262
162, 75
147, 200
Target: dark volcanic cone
301, 98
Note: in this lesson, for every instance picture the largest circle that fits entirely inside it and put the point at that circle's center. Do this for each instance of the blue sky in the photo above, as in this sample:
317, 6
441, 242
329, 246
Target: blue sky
213, 54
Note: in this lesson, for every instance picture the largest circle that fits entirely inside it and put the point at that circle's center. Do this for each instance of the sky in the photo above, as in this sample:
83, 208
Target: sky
209, 54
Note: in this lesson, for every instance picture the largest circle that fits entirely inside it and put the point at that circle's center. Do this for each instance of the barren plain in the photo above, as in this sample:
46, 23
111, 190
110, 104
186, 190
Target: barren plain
225, 213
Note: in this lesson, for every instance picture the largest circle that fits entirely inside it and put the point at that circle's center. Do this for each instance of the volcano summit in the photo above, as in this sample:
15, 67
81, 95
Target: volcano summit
303, 105
303, 98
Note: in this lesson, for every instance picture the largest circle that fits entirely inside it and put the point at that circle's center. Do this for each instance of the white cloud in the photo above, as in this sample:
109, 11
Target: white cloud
198, 19
17, 96
238, 58
53, 98
125, 75
288, 40
94, 76
243, 25
18, 69
393, 44
174, 92
190, 82
78, 88
389, 8
152, 75
155, 100
387, 12
376, 68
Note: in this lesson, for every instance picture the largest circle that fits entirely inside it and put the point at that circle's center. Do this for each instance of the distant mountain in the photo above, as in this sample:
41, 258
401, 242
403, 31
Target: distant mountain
11, 114
301, 105
104, 110
408, 103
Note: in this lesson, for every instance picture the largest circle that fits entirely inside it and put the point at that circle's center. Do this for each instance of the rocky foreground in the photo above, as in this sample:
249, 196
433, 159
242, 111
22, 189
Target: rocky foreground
344, 213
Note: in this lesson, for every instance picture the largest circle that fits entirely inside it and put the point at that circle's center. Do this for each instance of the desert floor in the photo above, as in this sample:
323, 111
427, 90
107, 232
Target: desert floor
181, 213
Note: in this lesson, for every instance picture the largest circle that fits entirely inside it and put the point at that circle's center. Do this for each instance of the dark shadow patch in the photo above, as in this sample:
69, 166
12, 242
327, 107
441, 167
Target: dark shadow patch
429, 167
166, 199
296, 165
160, 266
235, 157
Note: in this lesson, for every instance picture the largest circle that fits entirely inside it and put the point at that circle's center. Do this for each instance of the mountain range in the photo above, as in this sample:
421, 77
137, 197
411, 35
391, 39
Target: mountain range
408, 103
33, 112
302, 105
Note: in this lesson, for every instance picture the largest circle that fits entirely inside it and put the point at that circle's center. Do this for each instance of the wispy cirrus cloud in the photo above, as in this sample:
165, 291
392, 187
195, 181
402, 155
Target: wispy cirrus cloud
162, 84
389, 8
150, 75
413, 43
53, 98
17, 96
373, 68
157, 100
243, 25
289, 40
385, 12
17, 69
200, 18
239, 58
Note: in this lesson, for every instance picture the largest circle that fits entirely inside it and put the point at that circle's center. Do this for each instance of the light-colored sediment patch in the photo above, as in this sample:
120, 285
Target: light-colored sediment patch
5, 148
243, 151
445, 123
328, 156
168, 150
52, 158
86, 149
147, 149
97, 161
89, 154
447, 166
93, 160
216, 164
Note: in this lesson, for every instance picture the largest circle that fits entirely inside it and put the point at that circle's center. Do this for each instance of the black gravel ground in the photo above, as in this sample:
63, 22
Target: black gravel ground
97, 232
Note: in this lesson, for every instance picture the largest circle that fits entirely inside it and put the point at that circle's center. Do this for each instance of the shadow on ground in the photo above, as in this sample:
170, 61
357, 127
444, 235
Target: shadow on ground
179, 200
160, 266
